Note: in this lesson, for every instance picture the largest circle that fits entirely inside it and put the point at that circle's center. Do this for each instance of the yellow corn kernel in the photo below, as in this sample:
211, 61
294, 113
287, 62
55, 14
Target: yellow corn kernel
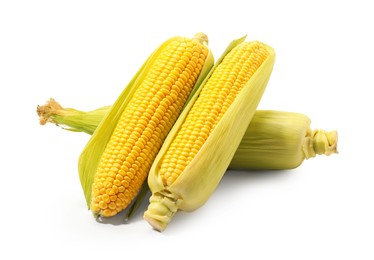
215, 98
117, 159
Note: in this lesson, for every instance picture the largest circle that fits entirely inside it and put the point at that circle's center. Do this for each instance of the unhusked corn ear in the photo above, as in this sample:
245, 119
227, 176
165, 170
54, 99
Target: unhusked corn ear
277, 140
202, 143
274, 140
125, 144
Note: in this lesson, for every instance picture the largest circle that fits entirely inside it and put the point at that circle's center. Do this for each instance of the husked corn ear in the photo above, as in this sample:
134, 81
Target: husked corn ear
141, 120
274, 140
277, 140
215, 98
202, 143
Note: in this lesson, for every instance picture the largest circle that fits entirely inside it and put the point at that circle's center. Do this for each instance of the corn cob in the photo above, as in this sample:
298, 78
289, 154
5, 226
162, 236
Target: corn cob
117, 158
202, 143
274, 140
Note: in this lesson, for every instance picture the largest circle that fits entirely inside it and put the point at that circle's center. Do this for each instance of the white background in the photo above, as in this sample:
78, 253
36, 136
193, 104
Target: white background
83, 53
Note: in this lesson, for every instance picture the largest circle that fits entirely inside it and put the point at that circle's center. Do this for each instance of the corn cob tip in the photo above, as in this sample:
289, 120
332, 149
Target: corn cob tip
325, 142
46, 112
161, 210
202, 38
156, 224
321, 142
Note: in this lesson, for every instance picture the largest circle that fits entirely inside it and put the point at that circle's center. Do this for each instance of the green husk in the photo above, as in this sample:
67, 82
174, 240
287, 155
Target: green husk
277, 140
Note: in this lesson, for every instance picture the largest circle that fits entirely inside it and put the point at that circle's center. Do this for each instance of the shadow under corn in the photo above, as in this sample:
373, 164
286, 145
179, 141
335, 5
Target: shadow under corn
120, 218
235, 178
232, 181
